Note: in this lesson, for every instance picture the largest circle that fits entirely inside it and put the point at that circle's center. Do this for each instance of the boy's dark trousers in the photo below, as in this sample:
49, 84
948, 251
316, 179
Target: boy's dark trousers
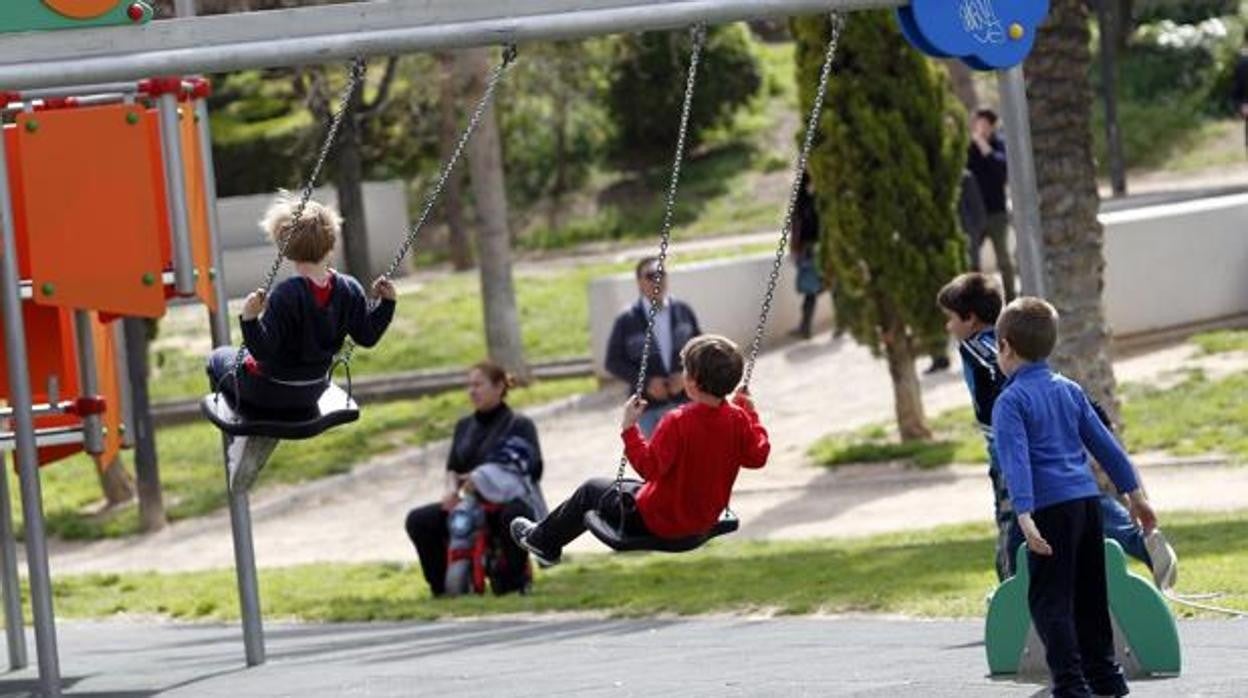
1069, 601
567, 521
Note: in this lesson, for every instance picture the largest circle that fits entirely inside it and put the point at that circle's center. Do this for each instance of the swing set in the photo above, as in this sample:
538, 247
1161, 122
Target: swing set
82, 150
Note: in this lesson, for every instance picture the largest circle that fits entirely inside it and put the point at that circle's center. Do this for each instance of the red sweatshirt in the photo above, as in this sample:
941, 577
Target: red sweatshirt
691, 463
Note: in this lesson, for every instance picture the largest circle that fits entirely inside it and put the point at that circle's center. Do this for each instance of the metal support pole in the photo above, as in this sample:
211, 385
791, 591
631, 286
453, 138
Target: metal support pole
125, 379
88, 382
1024, 193
240, 506
1107, 25
24, 428
221, 319
175, 183
245, 569
14, 627
107, 88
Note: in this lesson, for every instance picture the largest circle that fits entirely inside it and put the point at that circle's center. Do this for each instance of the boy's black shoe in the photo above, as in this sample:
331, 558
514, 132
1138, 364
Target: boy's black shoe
1114, 688
520, 530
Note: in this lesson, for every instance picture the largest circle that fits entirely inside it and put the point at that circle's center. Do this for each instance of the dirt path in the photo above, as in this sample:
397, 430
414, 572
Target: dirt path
804, 391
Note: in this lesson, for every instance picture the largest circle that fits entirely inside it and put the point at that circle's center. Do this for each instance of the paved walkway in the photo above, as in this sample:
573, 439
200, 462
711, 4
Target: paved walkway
586, 657
804, 391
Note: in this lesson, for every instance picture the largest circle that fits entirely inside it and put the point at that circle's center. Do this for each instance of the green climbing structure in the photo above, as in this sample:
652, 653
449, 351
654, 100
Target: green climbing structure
1147, 627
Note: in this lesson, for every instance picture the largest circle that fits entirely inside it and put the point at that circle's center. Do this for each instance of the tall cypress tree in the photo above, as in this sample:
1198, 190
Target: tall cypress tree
886, 166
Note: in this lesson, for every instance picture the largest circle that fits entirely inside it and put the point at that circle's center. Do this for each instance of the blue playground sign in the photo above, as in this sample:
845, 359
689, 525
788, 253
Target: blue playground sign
985, 34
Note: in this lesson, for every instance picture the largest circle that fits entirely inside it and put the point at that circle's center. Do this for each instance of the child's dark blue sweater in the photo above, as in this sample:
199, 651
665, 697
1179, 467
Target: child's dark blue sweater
1042, 422
982, 374
296, 339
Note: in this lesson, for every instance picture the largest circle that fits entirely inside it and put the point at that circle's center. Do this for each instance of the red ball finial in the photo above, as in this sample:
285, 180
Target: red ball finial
135, 12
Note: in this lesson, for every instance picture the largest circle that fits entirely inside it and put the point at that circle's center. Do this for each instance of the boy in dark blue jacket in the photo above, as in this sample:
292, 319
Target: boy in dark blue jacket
1043, 422
972, 303
292, 334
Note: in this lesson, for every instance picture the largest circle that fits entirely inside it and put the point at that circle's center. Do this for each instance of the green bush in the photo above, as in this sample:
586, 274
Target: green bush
647, 84
554, 123
1171, 78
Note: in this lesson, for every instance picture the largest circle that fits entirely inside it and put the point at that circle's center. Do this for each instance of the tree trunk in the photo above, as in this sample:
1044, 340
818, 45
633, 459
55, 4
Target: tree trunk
560, 185
115, 482
498, 293
448, 132
899, 350
349, 181
146, 463
963, 83
907, 395
1061, 125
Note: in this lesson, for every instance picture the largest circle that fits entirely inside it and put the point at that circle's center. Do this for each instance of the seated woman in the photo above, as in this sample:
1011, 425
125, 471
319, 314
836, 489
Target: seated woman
479, 438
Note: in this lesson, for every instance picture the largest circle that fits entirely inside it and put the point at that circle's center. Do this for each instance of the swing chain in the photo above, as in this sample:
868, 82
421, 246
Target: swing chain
431, 200
435, 194
355, 76
698, 35
837, 24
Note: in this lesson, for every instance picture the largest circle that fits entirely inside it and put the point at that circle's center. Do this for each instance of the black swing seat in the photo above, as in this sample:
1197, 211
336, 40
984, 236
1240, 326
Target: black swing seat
617, 540
334, 408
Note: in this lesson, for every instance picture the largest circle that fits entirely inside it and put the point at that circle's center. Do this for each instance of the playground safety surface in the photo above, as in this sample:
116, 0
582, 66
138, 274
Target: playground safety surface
584, 656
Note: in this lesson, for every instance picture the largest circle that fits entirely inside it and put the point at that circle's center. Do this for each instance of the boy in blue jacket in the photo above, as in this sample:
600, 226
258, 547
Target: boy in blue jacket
1043, 422
972, 303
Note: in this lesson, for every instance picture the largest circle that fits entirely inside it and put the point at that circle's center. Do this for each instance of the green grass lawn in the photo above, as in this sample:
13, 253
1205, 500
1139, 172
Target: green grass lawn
1222, 342
944, 572
192, 473
1197, 416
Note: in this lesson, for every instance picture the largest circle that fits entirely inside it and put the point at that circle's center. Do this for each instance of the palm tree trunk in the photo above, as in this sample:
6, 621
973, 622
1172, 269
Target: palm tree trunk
1061, 123
498, 293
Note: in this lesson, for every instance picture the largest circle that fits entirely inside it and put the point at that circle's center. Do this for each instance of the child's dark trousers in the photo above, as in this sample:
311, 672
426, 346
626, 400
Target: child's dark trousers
1070, 603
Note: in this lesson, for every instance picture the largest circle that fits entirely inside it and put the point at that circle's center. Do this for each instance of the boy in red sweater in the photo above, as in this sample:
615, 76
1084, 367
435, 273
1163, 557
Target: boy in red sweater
689, 465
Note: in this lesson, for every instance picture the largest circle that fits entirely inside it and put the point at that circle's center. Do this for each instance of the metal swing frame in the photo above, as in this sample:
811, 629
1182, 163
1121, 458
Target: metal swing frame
71, 59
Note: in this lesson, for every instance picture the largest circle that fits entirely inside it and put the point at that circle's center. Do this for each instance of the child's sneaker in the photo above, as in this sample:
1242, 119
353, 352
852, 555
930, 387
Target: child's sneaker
1165, 562
520, 530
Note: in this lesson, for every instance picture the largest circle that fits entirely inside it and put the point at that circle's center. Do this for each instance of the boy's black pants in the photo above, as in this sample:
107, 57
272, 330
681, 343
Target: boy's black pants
567, 521
1069, 601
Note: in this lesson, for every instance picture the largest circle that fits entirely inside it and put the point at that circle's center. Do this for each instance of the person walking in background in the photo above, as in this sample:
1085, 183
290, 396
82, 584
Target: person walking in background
986, 161
805, 248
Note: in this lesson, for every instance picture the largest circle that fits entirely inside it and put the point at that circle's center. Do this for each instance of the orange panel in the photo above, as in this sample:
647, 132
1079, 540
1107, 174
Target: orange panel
49, 352
16, 198
197, 205
87, 193
110, 388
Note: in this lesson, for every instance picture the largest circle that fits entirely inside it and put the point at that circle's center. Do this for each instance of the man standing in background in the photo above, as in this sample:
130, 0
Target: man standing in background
986, 161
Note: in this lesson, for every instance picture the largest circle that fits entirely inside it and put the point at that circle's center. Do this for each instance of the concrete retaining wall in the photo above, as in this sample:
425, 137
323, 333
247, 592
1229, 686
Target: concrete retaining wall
1176, 265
